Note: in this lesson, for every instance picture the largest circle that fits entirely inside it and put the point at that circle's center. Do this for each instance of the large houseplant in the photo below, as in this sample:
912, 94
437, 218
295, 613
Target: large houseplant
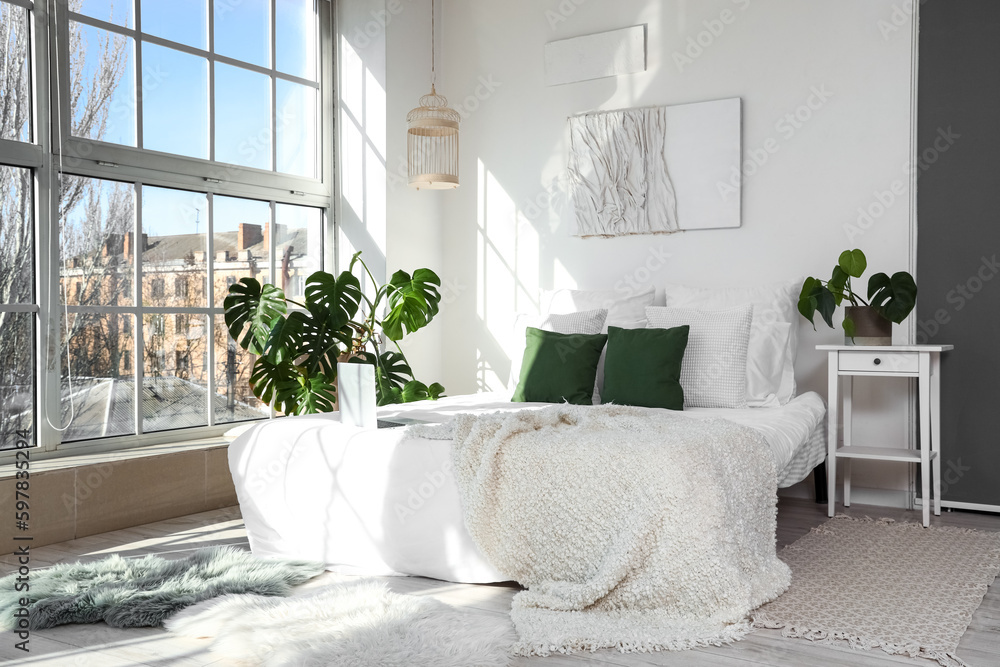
890, 299
298, 349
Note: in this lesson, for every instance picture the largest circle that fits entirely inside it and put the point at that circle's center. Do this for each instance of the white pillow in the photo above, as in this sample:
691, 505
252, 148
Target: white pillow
774, 332
625, 310
714, 369
587, 322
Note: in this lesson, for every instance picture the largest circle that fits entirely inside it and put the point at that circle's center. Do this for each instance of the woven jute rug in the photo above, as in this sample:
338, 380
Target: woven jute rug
875, 583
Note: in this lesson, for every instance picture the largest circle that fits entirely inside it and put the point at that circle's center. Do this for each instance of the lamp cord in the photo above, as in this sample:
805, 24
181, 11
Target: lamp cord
433, 70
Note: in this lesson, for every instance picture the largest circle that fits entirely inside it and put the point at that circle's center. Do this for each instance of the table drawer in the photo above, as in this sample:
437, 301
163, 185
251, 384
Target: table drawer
879, 362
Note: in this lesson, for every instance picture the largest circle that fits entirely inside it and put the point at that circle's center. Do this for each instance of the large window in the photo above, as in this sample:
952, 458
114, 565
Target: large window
183, 147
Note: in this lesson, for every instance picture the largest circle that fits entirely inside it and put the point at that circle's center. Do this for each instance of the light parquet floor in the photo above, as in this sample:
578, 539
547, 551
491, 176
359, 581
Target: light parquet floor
101, 646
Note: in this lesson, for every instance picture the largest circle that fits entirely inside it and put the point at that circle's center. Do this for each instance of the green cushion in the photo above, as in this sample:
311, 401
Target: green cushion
643, 367
559, 367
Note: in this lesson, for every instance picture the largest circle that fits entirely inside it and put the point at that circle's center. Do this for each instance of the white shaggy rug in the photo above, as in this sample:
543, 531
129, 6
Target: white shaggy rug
358, 624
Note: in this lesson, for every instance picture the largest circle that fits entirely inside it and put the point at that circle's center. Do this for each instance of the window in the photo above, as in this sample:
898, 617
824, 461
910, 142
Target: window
186, 153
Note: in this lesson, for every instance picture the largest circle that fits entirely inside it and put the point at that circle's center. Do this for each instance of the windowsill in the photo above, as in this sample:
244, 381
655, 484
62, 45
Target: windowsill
68, 461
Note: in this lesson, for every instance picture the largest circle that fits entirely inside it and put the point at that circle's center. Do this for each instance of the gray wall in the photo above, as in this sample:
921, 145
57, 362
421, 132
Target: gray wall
959, 234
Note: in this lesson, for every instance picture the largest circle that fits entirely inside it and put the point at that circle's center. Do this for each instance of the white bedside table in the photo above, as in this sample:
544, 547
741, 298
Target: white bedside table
920, 361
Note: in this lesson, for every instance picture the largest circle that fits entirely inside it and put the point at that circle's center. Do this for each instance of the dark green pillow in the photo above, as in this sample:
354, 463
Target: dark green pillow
643, 367
559, 367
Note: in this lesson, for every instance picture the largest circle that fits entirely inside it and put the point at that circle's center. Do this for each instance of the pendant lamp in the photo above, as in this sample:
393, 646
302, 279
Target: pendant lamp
432, 138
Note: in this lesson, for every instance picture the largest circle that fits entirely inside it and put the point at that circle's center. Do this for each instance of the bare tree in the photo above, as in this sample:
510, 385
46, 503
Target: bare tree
92, 86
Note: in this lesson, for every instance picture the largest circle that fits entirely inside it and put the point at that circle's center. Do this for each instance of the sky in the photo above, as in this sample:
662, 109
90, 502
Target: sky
175, 84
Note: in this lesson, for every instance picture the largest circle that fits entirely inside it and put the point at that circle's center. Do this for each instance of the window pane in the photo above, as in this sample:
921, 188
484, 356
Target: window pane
17, 242
118, 12
243, 30
184, 21
100, 376
296, 124
102, 84
299, 249
295, 37
175, 102
15, 85
96, 241
242, 117
241, 242
17, 379
174, 266
234, 401
175, 387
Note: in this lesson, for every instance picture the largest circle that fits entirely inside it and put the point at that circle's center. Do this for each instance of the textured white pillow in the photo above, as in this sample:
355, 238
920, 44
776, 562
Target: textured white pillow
587, 322
625, 310
774, 332
714, 369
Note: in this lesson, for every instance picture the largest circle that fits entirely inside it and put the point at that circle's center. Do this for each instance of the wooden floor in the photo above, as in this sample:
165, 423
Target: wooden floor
101, 646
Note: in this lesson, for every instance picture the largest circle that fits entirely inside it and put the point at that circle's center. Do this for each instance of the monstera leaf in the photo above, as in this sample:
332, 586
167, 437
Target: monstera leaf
255, 308
341, 296
391, 375
893, 297
394, 381
413, 302
315, 394
275, 384
853, 262
816, 297
324, 337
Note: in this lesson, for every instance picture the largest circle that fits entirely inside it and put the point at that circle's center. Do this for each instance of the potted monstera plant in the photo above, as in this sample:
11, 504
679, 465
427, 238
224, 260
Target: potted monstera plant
890, 299
298, 343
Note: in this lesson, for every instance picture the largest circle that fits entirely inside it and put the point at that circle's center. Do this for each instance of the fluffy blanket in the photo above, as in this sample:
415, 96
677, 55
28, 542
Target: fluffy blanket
358, 623
129, 593
629, 528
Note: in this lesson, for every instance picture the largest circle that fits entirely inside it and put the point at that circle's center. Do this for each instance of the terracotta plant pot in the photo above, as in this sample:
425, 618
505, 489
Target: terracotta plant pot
870, 328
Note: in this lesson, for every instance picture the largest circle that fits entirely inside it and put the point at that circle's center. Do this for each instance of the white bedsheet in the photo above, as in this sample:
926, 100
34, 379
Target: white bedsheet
381, 502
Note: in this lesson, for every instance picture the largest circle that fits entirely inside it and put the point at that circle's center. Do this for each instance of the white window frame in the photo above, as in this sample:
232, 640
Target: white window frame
102, 160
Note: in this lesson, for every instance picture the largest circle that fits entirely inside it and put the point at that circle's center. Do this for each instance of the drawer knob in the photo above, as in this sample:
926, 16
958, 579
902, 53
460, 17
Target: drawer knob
877, 361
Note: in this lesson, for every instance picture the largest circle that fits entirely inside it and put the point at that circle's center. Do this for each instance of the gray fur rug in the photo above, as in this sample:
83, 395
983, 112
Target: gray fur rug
130, 593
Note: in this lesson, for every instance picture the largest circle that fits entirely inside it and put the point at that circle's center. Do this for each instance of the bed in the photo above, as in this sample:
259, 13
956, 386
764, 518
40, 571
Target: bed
384, 502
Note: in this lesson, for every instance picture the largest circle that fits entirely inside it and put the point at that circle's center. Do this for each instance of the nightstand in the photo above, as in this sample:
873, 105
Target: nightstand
907, 361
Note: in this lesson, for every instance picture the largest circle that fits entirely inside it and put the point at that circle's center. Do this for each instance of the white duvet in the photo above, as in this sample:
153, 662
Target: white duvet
383, 502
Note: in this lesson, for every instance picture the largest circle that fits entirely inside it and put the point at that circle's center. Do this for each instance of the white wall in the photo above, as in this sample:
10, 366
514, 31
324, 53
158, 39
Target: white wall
504, 234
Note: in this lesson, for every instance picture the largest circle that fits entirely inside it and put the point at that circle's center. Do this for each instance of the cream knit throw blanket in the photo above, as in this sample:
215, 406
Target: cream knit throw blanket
630, 528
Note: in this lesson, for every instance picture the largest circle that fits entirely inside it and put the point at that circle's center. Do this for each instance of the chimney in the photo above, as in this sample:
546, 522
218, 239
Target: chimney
248, 235
222, 256
127, 244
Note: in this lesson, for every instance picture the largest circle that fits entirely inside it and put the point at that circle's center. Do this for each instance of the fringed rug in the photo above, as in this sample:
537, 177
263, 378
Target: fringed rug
899, 587
139, 592
354, 624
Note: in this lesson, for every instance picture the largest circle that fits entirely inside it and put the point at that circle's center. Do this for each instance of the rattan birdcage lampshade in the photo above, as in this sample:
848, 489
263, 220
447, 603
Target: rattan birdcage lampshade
432, 137
432, 143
